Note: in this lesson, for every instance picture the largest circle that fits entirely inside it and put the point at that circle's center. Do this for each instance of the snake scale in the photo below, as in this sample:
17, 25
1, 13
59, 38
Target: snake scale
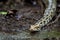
48, 15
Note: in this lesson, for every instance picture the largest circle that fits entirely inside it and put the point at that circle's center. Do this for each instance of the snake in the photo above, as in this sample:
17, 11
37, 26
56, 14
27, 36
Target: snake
48, 15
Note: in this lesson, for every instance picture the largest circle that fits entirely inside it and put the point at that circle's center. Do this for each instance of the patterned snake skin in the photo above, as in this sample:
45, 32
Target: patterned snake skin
48, 15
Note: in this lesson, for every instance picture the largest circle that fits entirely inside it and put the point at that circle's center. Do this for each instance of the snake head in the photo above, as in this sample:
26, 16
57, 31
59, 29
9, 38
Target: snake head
34, 28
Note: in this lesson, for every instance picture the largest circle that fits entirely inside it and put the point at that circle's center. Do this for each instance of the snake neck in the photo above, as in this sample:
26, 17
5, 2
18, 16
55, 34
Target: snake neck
48, 15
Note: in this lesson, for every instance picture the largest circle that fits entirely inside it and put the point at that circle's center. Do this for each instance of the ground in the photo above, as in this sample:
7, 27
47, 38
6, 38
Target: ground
17, 29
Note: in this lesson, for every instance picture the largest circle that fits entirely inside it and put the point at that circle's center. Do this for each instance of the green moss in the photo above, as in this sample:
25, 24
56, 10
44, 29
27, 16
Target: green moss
4, 13
54, 33
46, 34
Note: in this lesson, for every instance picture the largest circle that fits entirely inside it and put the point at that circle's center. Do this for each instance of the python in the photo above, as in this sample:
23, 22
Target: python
48, 15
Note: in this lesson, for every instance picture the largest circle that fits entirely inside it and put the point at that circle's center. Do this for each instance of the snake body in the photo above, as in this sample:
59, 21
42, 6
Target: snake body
48, 15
